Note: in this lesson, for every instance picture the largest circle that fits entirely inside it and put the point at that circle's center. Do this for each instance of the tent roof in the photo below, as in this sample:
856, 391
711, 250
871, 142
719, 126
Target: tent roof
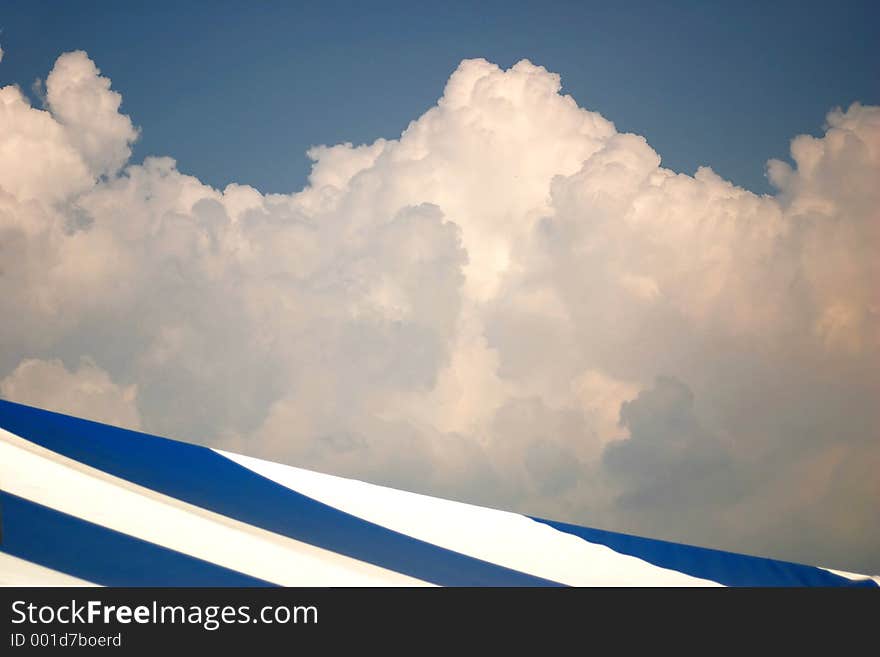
83, 502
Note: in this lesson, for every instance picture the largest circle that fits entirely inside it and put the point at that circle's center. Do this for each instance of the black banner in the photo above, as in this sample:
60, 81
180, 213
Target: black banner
133, 620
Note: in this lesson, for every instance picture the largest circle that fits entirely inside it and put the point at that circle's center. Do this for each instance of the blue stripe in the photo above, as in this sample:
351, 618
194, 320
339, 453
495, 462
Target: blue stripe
725, 568
201, 477
99, 555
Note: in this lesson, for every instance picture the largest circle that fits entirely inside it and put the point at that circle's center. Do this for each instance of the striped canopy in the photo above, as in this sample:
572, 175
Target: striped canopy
86, 503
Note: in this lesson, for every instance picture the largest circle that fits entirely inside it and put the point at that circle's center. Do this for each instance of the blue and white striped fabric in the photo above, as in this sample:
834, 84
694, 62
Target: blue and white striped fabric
86, 503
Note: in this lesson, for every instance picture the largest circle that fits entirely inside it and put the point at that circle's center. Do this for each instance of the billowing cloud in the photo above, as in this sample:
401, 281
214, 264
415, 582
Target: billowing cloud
512, 303
87, 391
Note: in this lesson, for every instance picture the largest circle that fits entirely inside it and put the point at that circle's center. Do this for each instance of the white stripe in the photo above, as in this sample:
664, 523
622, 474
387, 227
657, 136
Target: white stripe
18, 572
503, 538
854, 576
37, 474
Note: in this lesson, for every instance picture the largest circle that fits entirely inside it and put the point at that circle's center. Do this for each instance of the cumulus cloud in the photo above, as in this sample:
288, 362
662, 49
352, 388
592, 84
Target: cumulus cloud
85, 392
512, 303
81, 101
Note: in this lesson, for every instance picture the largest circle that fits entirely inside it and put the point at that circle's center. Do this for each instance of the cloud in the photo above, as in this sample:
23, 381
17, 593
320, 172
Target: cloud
81, 101
468, 310
667, 461
665, 436
85, 392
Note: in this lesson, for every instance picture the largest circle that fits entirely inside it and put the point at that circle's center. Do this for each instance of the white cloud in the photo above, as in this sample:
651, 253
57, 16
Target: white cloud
465, 310
82, 102
85, 392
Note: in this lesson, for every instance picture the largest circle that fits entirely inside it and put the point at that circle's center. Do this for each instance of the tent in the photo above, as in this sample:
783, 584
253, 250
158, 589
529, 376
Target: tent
86, 503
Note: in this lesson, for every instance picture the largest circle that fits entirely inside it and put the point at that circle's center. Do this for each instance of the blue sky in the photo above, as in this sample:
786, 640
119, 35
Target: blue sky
238, 91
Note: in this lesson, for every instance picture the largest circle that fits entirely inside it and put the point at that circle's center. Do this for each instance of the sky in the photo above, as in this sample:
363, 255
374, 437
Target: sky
238, 92
611, 267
